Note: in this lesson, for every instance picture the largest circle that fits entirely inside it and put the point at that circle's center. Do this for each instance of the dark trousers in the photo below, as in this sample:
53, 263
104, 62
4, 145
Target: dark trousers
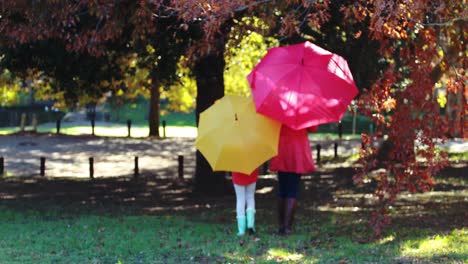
288, 184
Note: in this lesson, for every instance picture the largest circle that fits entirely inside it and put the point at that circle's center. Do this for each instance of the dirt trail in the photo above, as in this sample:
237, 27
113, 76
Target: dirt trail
68, 156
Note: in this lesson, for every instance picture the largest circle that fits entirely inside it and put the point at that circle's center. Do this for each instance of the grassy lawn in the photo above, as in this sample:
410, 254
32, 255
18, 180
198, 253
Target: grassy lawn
137, 130
89, 228
108, 130
55, 237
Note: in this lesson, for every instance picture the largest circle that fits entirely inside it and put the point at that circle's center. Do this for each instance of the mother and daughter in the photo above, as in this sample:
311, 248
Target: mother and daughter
294, 159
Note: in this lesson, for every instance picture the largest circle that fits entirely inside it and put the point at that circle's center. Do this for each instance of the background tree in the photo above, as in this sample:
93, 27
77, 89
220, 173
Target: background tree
9, 89
160, 53
244, 50
98, 29
211, 24
75, 77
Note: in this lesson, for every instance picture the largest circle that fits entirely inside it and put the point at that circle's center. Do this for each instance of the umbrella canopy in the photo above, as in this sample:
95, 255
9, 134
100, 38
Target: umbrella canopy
232, 136
302, 85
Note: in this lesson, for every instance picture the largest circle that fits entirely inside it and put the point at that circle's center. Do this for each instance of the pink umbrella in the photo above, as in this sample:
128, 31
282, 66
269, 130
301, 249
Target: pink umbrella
302, 85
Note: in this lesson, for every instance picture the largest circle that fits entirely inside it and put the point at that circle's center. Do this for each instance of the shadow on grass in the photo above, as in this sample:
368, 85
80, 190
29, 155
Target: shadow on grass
160, 220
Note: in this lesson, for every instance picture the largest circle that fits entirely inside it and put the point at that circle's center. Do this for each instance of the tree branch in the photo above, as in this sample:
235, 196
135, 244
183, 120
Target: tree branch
236, 10
440, 24
243, 8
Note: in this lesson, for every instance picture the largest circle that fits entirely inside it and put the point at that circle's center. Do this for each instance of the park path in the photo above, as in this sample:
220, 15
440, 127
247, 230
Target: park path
68, 156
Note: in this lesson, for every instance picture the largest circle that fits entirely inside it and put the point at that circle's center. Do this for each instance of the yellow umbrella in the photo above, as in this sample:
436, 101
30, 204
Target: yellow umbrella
232, 136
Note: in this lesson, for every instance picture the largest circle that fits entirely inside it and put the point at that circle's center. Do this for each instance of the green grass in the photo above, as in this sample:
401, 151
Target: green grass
439, 246
427, 228
53, 236
90, 225
458, 156
107, 130
332, 136
177, 125
174, 128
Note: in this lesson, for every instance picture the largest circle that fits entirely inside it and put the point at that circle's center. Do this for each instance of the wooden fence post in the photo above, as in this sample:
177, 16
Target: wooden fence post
91, 167
129, 127
93, 123
181, 167
58, 125
340, 130
164, 128
319, 147
42, 168
2, 166
136, 171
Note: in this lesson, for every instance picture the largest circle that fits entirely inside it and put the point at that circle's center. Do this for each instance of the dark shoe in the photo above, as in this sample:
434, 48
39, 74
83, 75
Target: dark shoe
281, 231
281, 208
251, 231
290, 210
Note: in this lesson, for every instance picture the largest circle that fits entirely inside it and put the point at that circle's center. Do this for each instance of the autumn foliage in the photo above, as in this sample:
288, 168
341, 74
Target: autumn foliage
420, 40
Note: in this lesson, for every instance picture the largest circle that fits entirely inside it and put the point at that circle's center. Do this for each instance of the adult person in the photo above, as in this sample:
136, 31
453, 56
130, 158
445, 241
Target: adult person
294, 159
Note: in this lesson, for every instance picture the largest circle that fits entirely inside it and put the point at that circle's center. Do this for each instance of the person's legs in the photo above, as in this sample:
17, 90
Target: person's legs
240, 199
240, 208
293, 183
282, 187
282, 184
250, 195
250, 212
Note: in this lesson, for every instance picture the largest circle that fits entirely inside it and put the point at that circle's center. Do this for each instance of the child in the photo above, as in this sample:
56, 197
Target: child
244, 185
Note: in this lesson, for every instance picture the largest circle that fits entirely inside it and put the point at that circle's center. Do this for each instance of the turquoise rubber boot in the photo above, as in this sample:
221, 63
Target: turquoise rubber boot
251, 220
241, 225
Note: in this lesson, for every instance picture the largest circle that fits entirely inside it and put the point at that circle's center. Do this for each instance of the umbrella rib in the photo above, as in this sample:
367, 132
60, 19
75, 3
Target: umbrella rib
264, 70
299, 92
323, 70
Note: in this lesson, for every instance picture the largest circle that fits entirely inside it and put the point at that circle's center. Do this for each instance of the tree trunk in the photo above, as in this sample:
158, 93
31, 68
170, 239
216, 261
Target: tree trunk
153, 120
451, 113
463, 123
210, 86
461, 112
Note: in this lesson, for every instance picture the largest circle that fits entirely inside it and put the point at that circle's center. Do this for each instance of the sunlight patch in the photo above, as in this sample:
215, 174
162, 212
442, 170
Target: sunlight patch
326, 208
428, 247
438, 245
435, 245
279, 254
386, 240
264, 190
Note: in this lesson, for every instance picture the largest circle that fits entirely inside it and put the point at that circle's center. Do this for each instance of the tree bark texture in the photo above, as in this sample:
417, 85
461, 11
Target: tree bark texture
210, 86
153, 120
